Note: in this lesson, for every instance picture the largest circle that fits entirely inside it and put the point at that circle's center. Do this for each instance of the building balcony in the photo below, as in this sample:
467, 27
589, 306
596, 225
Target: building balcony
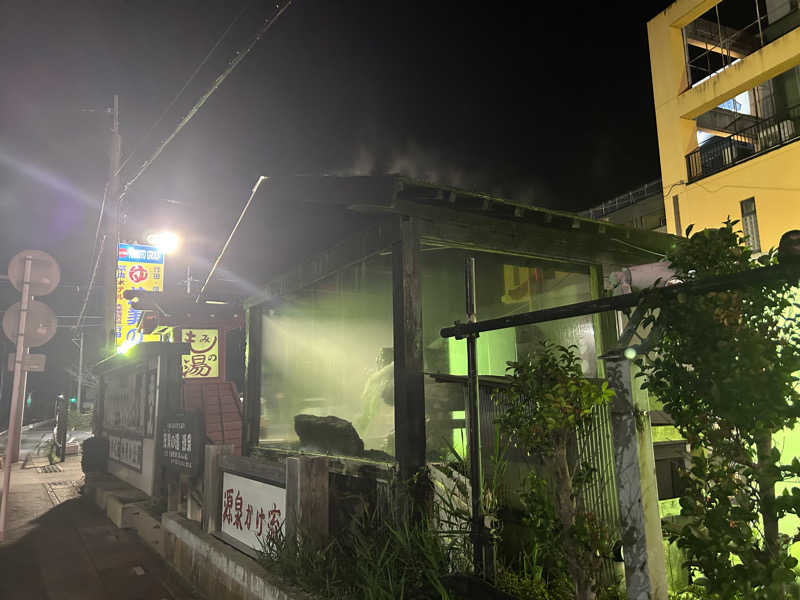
720, 153
730, 31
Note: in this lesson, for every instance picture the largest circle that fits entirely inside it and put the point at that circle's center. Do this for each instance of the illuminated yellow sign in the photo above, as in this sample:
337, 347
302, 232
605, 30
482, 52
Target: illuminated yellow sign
138, 268
203, 362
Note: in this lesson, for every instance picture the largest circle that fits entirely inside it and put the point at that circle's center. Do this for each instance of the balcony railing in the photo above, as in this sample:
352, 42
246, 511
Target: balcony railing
718, 154
716, 46
648, 190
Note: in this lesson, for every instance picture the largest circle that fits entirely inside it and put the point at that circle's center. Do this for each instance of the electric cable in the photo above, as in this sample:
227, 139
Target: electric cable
261, 180
183, 88
268, 23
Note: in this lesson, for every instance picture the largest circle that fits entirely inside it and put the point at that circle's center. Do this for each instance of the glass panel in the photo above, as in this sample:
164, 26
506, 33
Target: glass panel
327, 351
505, 285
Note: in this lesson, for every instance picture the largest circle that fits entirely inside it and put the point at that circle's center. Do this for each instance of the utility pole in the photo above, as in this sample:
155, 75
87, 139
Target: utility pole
80, 371
12, 440
112, 220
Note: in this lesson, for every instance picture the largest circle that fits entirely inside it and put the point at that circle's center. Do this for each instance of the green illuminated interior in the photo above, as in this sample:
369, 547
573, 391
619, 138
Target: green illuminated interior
320, 353
328, 350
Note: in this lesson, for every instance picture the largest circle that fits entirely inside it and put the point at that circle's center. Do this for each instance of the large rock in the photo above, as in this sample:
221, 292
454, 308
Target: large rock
330, 435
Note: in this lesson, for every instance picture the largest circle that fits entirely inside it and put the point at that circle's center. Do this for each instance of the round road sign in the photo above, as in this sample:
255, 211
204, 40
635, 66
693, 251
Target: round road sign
45, 272
40, 326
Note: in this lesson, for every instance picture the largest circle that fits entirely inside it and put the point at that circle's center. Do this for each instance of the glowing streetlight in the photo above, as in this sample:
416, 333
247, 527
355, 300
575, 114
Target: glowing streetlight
124, 347
166, 241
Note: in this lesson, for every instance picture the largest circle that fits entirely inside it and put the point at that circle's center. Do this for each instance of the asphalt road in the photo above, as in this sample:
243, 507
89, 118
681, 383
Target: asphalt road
35, 439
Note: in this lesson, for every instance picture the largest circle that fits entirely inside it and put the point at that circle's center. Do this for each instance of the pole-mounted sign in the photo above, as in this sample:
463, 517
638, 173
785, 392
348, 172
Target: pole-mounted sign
27, 323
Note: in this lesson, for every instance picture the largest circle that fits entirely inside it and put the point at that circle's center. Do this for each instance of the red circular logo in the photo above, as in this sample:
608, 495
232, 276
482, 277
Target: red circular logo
137, 274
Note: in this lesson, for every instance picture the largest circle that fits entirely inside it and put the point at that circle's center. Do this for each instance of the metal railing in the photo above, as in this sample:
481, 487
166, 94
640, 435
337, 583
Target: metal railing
718, 154
653, 188
722, 45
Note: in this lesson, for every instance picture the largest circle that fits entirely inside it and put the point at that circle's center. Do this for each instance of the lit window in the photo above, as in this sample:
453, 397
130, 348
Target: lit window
750, 224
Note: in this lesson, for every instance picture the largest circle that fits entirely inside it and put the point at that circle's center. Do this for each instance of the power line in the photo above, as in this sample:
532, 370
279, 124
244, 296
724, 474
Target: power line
268, 23
199, 104
261, 180
183, 89
91, 283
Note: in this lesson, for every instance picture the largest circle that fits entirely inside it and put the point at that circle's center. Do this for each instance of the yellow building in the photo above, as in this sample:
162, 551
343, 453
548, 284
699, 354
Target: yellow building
726, 87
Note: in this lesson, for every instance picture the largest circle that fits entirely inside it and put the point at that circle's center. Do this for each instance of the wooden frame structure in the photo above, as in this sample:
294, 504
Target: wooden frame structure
398, 214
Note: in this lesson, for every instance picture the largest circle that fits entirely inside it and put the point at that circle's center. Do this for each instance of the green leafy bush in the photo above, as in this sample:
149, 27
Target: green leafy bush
724, 364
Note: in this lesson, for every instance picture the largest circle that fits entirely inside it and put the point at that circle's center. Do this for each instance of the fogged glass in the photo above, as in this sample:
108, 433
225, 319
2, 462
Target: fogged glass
505, 285
327, 351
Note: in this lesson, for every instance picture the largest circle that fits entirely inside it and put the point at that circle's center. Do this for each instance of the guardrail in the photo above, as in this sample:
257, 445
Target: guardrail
718, 154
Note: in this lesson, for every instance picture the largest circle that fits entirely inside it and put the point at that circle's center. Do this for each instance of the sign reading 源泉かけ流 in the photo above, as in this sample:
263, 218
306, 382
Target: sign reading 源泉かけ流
251, 510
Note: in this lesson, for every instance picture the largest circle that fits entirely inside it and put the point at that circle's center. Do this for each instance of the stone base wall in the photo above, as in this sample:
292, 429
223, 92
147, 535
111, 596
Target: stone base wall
214, 568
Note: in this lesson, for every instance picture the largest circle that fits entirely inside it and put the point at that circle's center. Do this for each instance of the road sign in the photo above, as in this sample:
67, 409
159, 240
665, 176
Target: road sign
45, 272
33, 363
40, 325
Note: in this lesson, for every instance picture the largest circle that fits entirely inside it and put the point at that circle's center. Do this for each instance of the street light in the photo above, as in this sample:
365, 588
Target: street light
166, 241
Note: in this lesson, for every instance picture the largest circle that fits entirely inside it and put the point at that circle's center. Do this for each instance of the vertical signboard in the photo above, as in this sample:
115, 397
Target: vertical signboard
138, 268
183, 442
203, 360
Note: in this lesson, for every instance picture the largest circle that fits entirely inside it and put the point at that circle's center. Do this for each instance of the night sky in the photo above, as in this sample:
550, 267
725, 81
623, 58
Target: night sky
552, 108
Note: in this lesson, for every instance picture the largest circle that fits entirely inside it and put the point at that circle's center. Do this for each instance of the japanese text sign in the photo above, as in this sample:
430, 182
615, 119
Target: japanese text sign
127, 451
138, 268
251, 510
203, 361
182, 443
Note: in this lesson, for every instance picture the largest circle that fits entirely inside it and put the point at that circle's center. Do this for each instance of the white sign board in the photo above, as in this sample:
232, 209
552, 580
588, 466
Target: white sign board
30, 362
251, 509
126, 451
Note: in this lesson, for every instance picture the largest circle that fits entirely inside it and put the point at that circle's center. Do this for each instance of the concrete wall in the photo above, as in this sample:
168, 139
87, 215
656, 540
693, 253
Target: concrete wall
773, 178
217, 570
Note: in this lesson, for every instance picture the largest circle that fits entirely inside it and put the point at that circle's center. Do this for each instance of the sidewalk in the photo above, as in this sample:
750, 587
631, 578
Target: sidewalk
60, 547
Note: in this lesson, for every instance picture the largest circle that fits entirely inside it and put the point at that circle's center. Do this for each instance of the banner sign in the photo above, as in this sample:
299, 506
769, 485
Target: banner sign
183, 442
126, 451
251, 510
203, 361
138, 268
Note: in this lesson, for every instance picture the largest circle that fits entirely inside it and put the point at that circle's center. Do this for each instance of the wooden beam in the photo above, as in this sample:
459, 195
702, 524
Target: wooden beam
251, 418
409, 384
484, 233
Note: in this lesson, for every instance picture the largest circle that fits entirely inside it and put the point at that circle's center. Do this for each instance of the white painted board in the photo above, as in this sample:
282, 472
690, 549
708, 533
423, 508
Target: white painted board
251, 509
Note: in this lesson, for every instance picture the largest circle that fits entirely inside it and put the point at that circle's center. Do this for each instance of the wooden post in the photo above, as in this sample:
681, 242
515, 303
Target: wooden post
409, 383
252, 397
642, 544
173, 493
307, 499
212, 485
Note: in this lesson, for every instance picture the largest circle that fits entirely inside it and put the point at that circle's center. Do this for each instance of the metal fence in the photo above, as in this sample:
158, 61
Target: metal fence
718, 154
595, 448
653, 188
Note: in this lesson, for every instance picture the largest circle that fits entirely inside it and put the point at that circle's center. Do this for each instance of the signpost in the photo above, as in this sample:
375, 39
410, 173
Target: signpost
30, 272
